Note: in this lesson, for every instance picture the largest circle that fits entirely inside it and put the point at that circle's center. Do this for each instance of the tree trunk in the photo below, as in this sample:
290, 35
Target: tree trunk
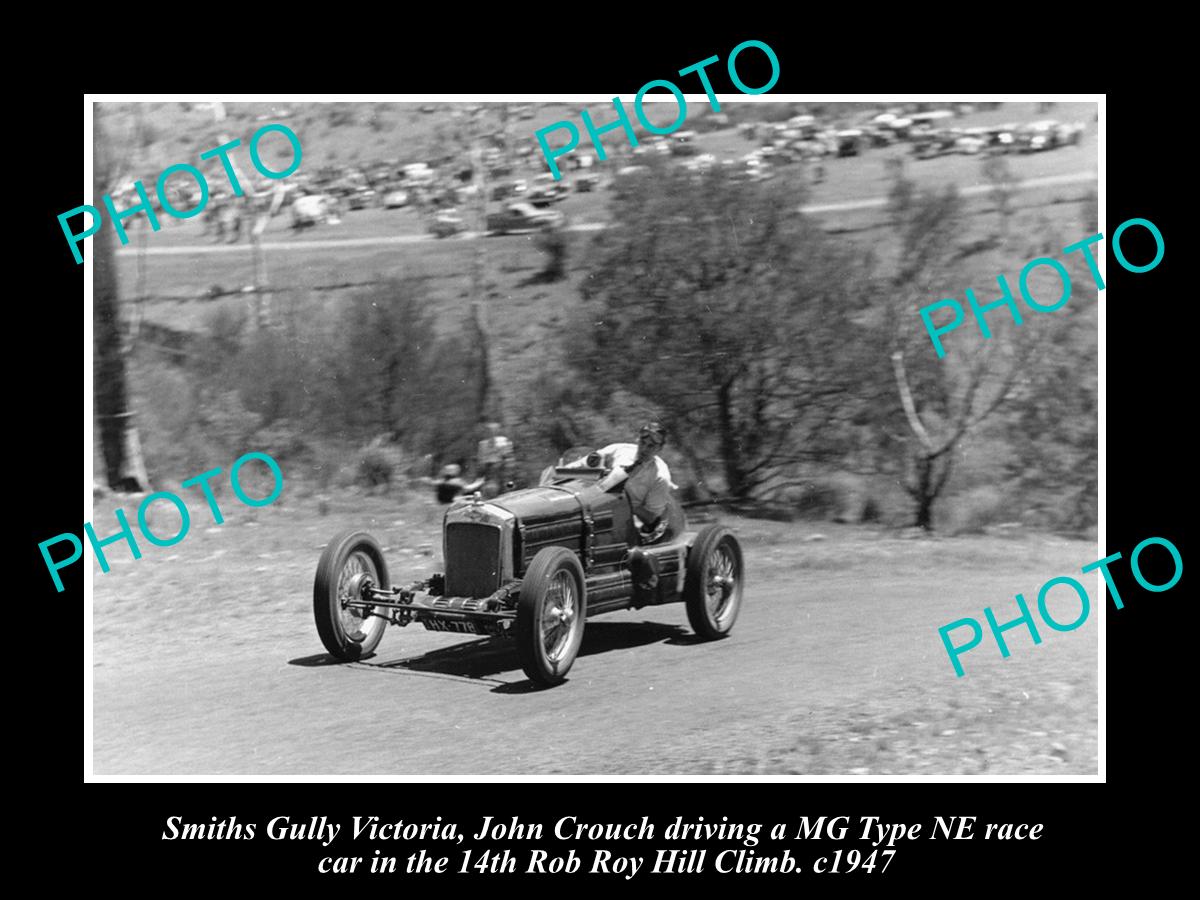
135, 464
262, 297
124, 469
735, 480
485, 408
485, 404
388, 411
119, 444
925, 495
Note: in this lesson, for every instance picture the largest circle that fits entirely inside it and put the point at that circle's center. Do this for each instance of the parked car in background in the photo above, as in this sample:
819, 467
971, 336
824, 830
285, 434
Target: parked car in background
314, 209
362, 198
1069, 133
851, 142
682, 143
521, 217
447, 223
971, 141
418, 175
929, 144
1043, 135
999, 138
395, 199
627, 173
507, 189
546, 190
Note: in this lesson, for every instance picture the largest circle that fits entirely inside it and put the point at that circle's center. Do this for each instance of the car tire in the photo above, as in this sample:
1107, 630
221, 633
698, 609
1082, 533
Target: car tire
547, 643
346, 634
712, 590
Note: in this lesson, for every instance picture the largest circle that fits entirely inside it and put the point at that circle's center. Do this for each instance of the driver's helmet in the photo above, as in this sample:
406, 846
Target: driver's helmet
451, 471
654, 433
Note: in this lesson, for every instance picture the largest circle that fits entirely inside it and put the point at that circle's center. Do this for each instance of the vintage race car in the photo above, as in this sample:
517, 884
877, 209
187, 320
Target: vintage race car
533, 565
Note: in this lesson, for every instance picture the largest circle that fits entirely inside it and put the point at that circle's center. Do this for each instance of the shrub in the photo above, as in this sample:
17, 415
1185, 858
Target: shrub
817, 500
165, 403
327, 463
283, 440
225, 326
271, 371
226, 421
374, 468
378, 464
554, 244
972, 511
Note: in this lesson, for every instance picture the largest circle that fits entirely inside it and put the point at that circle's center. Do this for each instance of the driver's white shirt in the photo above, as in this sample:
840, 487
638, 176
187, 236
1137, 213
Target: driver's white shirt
648, 488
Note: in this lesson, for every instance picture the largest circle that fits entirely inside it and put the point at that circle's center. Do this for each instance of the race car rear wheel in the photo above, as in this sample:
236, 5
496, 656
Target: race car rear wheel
713, 589
550, 615
352, 561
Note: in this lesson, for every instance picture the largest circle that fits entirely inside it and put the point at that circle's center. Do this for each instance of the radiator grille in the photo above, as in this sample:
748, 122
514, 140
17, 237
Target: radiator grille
472, 559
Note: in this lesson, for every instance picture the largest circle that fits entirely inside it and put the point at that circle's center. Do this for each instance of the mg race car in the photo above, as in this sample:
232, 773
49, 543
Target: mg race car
533, 565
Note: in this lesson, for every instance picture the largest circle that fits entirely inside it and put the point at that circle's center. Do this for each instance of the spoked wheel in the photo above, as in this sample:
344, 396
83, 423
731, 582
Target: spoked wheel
550, 615
713, 589
351, 562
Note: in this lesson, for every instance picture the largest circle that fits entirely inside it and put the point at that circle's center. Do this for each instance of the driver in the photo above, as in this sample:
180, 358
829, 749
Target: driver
647, 483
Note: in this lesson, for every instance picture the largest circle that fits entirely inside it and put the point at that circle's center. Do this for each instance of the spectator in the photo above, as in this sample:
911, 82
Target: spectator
495, 455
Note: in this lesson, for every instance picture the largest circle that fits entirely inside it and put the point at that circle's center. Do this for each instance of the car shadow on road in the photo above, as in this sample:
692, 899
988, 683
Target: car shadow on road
471, 659
483, 659
319, 659
685, 639
601, 637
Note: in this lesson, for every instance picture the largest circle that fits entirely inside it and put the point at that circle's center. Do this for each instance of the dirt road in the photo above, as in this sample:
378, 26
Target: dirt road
206, 661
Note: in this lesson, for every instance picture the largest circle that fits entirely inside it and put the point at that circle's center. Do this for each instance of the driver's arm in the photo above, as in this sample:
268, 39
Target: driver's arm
658, 498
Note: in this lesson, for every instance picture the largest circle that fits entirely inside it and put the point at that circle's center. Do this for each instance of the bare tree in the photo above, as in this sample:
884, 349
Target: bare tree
124, 467
982, 391
941, 401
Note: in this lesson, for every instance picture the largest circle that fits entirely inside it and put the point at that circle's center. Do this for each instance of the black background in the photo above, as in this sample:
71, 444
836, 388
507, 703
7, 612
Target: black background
1099, 833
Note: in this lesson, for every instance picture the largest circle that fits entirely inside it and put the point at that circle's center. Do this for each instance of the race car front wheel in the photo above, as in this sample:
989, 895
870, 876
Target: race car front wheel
550, 615
713, 589
352, 561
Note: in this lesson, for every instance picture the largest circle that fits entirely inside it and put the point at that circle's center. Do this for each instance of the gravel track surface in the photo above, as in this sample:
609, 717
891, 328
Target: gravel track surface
206, 661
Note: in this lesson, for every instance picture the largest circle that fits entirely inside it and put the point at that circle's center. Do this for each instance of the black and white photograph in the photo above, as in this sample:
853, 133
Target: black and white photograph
673, 436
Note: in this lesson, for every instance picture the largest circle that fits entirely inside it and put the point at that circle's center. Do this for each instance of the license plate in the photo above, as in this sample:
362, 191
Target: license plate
454, 625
